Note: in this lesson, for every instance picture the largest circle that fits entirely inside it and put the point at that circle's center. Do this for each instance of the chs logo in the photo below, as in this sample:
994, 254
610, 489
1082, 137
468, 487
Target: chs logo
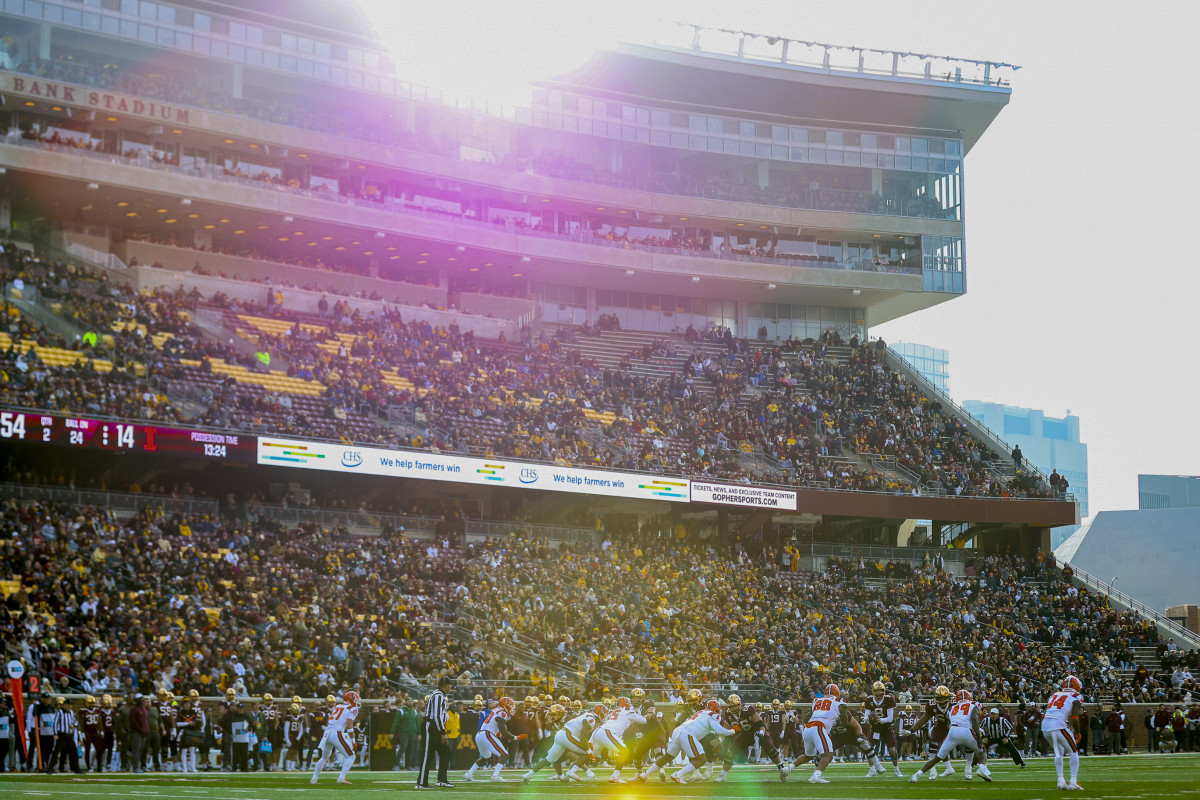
529, 475
351, 458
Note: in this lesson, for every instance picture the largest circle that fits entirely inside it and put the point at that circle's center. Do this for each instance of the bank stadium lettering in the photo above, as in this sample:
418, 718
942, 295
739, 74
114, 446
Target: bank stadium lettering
101, 101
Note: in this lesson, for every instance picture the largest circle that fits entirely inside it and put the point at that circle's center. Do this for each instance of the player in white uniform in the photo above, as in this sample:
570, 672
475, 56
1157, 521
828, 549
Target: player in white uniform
686, 739
817, 735
608, 741
571, 739
339, 736
964, 732
492, 739
1060, 726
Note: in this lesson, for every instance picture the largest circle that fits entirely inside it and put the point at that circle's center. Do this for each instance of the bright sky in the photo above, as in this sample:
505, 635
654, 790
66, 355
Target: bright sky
1081, 293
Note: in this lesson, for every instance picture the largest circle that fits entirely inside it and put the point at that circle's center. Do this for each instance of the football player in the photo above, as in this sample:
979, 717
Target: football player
609, 741
935, 720
963, 732
827, 711
339, 736
493, 740
569, 740
294, 728
650, 735
1060, 727
749, 728
879, 713
90, 722
686, 739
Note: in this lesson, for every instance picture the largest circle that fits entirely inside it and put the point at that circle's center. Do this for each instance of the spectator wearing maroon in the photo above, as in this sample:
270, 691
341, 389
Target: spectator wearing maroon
139, 730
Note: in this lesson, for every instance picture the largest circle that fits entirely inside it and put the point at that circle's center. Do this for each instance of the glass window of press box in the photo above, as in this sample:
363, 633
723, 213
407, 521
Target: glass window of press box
888, 174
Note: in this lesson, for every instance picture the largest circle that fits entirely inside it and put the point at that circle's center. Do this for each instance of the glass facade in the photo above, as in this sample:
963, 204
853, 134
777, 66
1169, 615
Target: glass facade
220, 37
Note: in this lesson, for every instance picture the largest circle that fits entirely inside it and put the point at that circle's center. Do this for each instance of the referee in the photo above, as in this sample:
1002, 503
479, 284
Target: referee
436, 743
64, 739
998, 730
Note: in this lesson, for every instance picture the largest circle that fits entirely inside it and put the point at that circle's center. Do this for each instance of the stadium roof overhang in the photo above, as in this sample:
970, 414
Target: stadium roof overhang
709, 83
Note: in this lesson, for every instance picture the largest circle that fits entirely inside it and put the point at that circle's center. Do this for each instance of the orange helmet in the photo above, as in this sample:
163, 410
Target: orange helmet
713, 706
600, 710
1072, 683
832, 690
507, 704
351, 697
961, 695
623, 702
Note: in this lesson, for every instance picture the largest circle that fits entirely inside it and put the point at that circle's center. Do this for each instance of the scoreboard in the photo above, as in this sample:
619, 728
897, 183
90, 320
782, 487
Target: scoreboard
90, 434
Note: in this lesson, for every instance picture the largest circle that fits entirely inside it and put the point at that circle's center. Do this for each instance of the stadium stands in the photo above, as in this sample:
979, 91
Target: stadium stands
798, 413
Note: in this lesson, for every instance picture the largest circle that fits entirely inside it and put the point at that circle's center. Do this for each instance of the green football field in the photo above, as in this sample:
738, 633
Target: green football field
1172, 776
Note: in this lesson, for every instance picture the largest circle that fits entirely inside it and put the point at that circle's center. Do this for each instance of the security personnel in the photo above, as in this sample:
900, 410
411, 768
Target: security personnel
437, 746
65, 725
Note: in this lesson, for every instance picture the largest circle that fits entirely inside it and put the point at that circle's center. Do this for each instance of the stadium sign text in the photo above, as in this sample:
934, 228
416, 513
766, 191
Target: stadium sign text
493, 471
93, 99
742, 495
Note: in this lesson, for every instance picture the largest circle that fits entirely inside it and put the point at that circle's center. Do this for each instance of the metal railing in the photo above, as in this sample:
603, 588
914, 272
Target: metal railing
840, 59
982, 431
881, 552
126, 500
1137, 606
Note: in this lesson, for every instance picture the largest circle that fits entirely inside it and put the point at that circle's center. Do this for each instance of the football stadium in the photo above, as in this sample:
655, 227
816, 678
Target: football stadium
354, 434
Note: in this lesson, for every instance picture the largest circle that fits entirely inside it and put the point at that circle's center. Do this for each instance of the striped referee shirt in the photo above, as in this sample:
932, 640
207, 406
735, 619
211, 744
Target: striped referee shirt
996, 728
435, 710
64, 721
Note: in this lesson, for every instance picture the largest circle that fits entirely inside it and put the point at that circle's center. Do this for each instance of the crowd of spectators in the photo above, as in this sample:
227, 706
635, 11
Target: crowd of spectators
104, 603
541, 399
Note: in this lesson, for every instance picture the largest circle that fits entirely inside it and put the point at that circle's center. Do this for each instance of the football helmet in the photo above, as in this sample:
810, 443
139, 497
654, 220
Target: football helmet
296, 708
600, 710
330, 700
734, 702
89, 701
941, 695
695, 698
713, 706
350, 697
1072, 683
878, 689
531, 701
961, 695
507, 704
789, 705
832, 690
268, 699
577, 705
564, 701
230, 694
623, 703
163, 694
106, 701
556, 712
478, 702
296, 701
193, 694
639, 694
548, 699
775, 704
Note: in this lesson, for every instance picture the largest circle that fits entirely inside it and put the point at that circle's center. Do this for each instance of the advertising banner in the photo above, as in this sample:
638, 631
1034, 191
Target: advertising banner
735, 494
468, 469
